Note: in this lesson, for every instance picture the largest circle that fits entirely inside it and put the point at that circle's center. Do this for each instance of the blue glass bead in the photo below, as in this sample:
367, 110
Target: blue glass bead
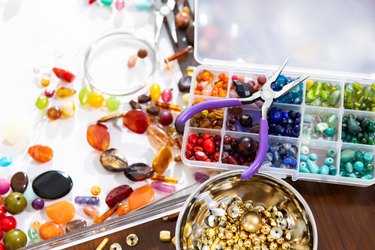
267, 164
269, 156
297, 100
282, 79
297, 121
330, 132
275, 115
324, 170
292, 151
287, 146
312, 167
349, 167
5, 161
303, 157
352, 175
292, 114
283, 122
279, 129
286, 115
276, 164
276, 156
313, 156
329, 161
287, 161
293, 162
331, 153
274, 148
86, 200
359, 166
368, 157
295, 133
332, 170
367, 177
298, 115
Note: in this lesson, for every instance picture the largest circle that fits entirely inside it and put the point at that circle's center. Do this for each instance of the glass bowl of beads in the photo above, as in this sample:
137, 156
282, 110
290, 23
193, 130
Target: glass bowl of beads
119, 63
261, 213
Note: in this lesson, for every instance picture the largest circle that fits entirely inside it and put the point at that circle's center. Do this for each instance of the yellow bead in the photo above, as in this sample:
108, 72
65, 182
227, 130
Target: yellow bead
45, 82
155, 92
64, 92
165, 236
68, 109
96, 100
95, 190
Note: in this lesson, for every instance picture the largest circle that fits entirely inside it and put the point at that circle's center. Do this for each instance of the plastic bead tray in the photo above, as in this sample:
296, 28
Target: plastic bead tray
317, 146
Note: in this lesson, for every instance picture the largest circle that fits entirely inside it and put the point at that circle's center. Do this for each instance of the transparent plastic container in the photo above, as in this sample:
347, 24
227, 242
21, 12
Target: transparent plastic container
251, 38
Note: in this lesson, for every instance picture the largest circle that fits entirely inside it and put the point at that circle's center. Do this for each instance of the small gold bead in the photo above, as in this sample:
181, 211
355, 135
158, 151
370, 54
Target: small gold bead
288, 235
256, 241
265, 229
132, 240
267, 214
280, 241
174, 240
210, 232
115, 246
269, 238
285, 246
243, 235
230, 242
165, 236
249, 204
233, 229
257, 248
228, 235
262, 238
272, 223
273, 246
247, 243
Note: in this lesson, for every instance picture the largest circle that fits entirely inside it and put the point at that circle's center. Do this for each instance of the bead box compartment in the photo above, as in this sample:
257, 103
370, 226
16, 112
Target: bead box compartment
317, 145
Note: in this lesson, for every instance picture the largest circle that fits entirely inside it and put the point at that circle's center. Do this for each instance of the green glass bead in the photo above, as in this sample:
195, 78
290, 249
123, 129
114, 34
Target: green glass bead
15, 203
367, 92
332, 121
323, 95
321, 127
373, 86
316, 102
33, 236
354, 140
310, 95
367, 177
348, 138
357, 86
317, 88
370, 141
358, 155
349, 168
84, 95
42, 102
359, 166
112, 103
107, 2
371, 126
352, 175
330, 132
332, 170
342, 173
15, 239
329, 161
309, 84
353, 126
369, 168
331, 153
334, 98
348, 88
324, 170
347, 155
368, 157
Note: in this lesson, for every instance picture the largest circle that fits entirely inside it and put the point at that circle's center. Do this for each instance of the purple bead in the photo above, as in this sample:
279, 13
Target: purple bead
86, 200
37, 204
200, 177
162, 187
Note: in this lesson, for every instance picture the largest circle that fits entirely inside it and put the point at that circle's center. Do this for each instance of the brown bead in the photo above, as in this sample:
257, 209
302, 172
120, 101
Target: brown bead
142, 53
144, 98
19, 182
135, 105
153, 110
54, 113
75, 225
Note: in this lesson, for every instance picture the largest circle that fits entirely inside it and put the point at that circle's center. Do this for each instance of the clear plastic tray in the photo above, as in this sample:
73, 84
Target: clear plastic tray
317, 146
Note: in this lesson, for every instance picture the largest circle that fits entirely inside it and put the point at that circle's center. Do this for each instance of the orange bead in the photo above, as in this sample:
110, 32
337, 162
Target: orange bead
123, 209
91, 212
45, 82
61, 212
50, 230
40, 153
219, 84
96, 100
141, 197
222, 93
64, 92
1, 199
95, 190
98, 137
155, 92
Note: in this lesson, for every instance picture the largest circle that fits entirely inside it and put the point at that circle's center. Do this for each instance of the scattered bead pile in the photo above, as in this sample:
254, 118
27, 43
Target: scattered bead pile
281, 155
285, 123
359, 97
241, 151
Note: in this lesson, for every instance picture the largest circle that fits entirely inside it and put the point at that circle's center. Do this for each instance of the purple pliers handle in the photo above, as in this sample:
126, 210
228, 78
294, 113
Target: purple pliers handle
231, 102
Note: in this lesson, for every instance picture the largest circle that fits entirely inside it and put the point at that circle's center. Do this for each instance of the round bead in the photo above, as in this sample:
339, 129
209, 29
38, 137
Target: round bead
166, 95
54, 113
15, 239
359, 166
329, 161
165, 117
4, 186
15, 203
8, 223
368, 157
276, 233
155, 92
96, 100
115, 246
112, 103
42, 102
313, 156
331, 152
84, 95
330, 132
251, 221
305, 150
38, 204
324, 170
95, 190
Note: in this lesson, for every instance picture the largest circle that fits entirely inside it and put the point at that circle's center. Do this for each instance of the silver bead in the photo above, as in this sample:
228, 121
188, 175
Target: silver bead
276, 232
233, 211
115, 246
132, 240
211, 221
283, 224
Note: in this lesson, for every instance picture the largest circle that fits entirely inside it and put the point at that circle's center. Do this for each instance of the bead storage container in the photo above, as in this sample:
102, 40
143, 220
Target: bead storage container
325, 107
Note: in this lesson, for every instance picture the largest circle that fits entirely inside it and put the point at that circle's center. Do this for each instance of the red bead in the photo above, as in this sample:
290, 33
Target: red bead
208, 145
217, 156
91, 1
2, 247
2, 211
261, 79
200, 141
165, 117
117, 195
136, 120
166, 95
208, 160
200, 156
188, 154
234, 77
8, 223
192, 139
206, 136
189, 147
63, 74
49, 93
1, 236
197, 148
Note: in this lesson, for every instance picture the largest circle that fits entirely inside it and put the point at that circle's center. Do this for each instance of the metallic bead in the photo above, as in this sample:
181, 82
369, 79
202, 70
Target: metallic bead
252, 235
274, 209
222, 224
210, 232
262, 238
233, 211
259, 208
132, 240
276, 232
266, 213
230, 242
249, 204
283, 224
102, 244
211, 221
269, 238
272, 222
233, 229
243, 235
251, 221
265, 229
273, 246
187, 230
205, 247
288, 235
115, 246
240, 243
278, 215
165, 236
247, 243
223, 206
257, 248
256, 241
280, 241
264, 247
229, 235
285, 246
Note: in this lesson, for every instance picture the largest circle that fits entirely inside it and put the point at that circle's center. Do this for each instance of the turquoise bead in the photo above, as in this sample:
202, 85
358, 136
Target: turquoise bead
358, 156
5, 161
143, 5
331, 153
349, 168
368, 157
107, 2
367, 177
359, 166
313, 168
330, 132
324, 170
352, 175
329, 161
332, 170
342, 173
313, 156
347, 155
304, 170
33, 236
303, 157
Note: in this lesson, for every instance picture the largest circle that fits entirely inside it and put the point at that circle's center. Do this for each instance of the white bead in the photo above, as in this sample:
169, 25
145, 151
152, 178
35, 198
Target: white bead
305, 150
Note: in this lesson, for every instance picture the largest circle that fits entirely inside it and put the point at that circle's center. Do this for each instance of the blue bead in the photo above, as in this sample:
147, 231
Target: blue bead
312, 167
267, 164
279, 129
269, 156
283, 122
303, 157
313, 156
303, 169
274, 148
143, 5
330, 132
276, 156
329, 161
349, 168
293, 163
286, 115
292, 114
332, 170
292, 151
287, 146
296, 128
297, 121
342, 173
287, 161
368, 157
359, 166
298, 115
275, 115
282, 80
324, 170
5, 161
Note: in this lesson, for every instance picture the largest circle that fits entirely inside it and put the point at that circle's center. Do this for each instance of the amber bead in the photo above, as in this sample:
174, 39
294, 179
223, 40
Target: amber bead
54, 113
91, 212
141, 197
61, 212
64, 92
162, 160
107, 214
98, 137
123, 209
158, 138
50, 230
155, 92
136, 120
40, 153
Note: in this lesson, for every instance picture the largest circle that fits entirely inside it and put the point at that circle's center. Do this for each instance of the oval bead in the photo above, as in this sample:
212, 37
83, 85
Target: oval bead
162, 187
141, 197
75, 225
162, 160
117, 195
61, 212
64, 92
91, 212
4, 186
52, 184
158, 138
19, 182
136, 120
40, 153
155, 92
166, 95
113, 160
50, 230
138, 172
98, 137
85, 94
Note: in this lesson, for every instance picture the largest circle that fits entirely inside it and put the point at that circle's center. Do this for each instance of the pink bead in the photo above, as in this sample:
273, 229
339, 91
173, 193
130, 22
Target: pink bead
166, 95
162, 187
4, 186
120, 4
200, 177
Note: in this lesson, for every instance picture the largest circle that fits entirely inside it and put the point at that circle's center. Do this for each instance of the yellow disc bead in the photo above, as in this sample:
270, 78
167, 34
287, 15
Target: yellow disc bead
96, 100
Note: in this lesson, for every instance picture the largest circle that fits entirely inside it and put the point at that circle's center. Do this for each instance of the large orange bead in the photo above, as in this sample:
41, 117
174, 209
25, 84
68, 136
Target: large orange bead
98, 137
50, 230
61, 212
136, 120
40, 153
141, 197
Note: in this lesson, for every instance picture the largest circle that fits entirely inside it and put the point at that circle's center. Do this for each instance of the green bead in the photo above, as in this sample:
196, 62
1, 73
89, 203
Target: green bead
321, 127
317, 88
367, 177
347, 155
355, 140
349, 168
33, 236
348, 88
369, 168
368, 157
310, 95
334, 98
332, 121
15, 239
15, 203
309, 84
373, 86
342, 173
107, 2
112, 103
359, 166
358, 155
332, 170
84, 95
331, 153
316, 102
371, 126
330, 132
323, 95
324, 170
42, 102
370, 141
353, 126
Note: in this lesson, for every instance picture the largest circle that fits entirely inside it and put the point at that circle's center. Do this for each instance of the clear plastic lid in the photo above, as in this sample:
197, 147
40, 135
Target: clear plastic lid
335, 35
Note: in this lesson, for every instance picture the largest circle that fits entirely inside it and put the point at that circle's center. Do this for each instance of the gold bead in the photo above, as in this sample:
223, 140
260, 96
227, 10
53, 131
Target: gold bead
102, 244
247, 243
280, 241
251, 221
187, 230
165, 236
259, 208
273, 246
262, 238
269, 238
210, 232
285, 246
272, 223
265, 229
229, 235
243, 235
233, 229
288, 235
115, 246
233, 211
249, 204
256, 241
257, 248
267, 214
240, 243
132, 240
174, 240
230, 242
